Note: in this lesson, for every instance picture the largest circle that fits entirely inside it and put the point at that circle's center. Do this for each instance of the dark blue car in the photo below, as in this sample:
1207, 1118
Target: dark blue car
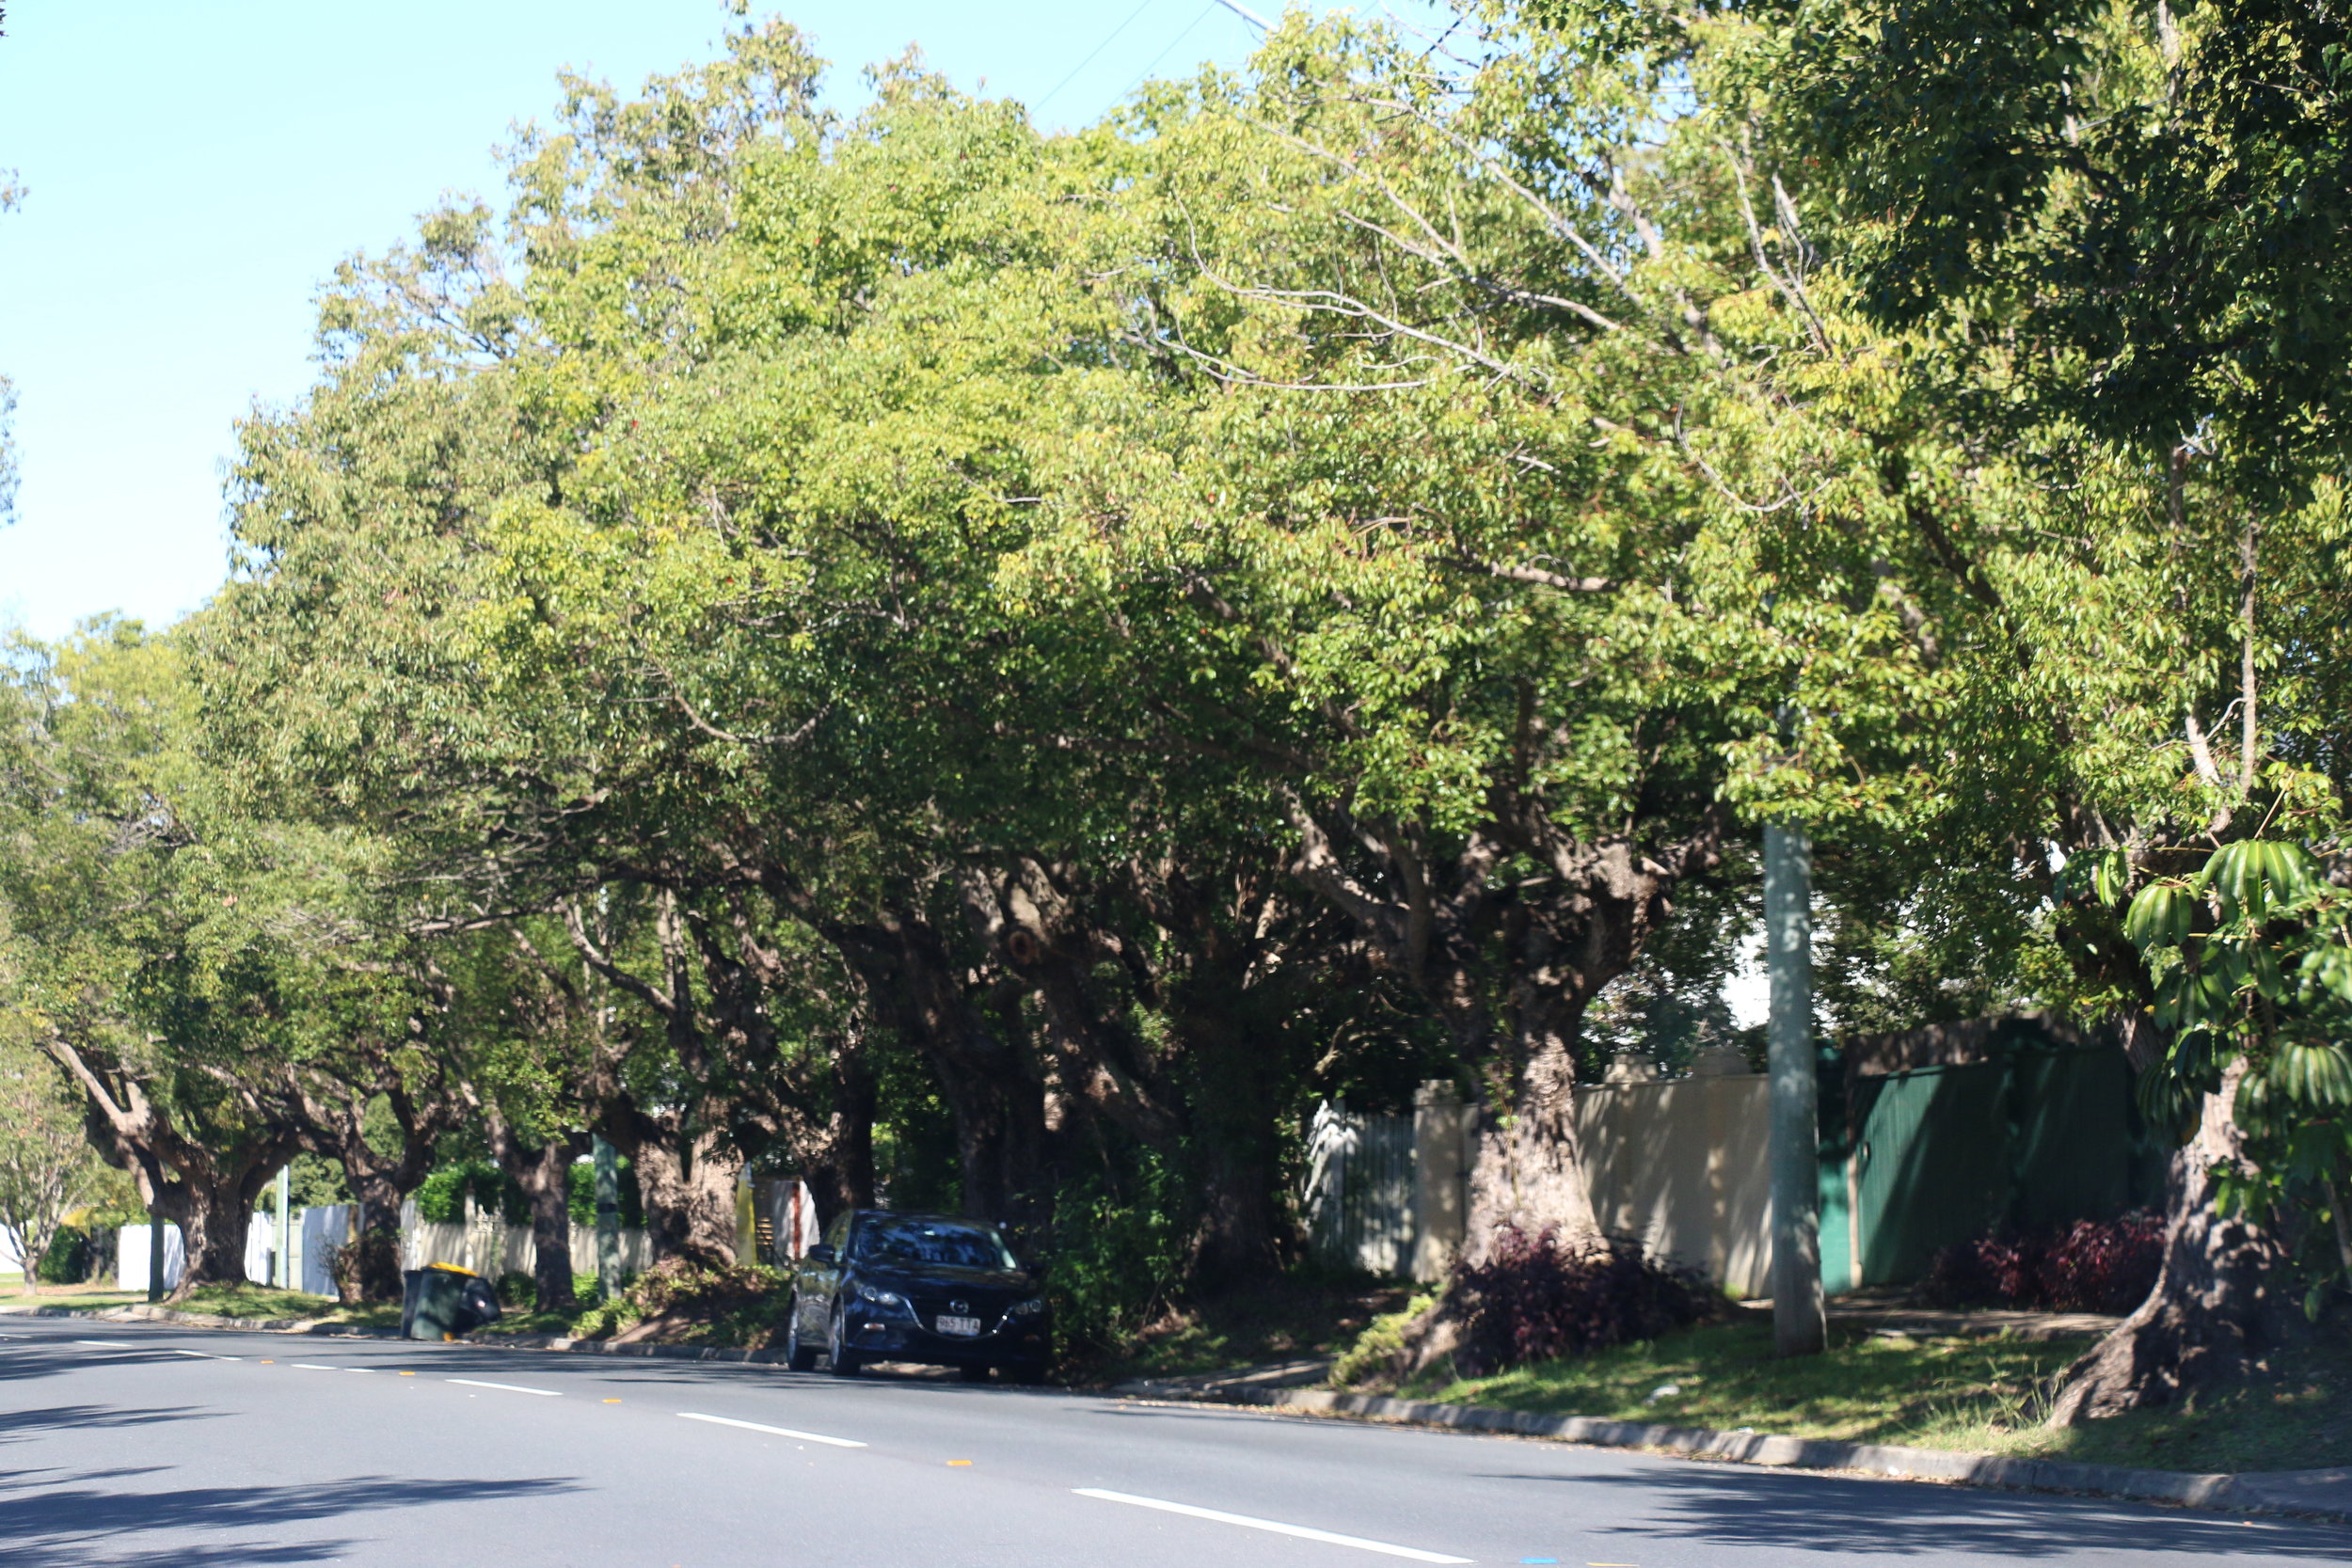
928, 1288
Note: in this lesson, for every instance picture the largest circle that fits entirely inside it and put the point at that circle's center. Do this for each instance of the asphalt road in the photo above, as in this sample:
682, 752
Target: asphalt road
157, 1445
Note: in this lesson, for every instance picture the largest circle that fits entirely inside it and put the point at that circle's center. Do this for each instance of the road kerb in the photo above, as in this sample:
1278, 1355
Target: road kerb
2255, 1493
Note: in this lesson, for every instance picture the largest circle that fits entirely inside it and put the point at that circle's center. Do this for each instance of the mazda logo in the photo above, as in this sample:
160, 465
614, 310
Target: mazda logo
960, 1307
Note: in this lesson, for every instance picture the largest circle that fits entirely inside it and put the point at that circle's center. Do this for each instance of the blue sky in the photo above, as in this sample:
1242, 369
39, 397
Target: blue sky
195, 170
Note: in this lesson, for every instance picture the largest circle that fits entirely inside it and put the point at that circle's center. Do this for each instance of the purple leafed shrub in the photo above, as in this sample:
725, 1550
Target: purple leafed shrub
1537, 1298
2091, 1266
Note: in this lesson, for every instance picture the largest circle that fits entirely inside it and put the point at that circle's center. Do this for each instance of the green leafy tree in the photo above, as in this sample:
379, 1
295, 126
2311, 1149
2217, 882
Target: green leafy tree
139, 967
47, 1169
2130, 221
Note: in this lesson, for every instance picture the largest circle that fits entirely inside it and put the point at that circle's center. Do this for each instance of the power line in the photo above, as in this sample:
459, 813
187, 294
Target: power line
1096, 50
1171, 45
1248, 15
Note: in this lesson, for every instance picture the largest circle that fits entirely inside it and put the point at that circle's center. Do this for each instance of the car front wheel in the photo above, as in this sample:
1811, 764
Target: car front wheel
845, 1362
798, 1353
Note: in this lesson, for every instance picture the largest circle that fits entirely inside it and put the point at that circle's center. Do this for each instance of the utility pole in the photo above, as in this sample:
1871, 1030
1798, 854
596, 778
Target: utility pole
608, 1220
285, 1227
1799, 1317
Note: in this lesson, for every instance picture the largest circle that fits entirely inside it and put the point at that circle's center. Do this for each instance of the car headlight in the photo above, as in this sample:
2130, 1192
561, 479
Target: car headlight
1033, 1308
884, 1301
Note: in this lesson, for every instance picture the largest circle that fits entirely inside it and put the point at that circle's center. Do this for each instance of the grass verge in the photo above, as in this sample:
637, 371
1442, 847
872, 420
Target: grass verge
1985, 1394
69, 1295
260, 1300
1289, 1318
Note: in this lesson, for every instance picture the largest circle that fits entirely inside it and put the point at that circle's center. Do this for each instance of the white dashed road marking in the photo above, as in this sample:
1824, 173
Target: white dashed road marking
108, 1344
774, 1431
508, 1387
1301, 1531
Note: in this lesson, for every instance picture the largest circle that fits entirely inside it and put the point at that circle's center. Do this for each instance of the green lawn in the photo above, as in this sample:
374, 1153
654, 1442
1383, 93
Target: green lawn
1985, 1394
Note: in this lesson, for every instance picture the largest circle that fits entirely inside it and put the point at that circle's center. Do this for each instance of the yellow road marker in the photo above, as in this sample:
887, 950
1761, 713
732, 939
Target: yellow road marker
954, 1462
612, 1402
408, 1374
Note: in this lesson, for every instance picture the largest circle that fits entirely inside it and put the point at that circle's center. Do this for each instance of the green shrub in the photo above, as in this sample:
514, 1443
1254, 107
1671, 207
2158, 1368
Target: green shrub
1117, 1255
67, 1260
743, 1306
1376, 1351
516, 1289
441, 1197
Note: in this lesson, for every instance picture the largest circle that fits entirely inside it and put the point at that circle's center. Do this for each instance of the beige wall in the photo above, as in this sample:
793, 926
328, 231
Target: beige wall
1685, 1166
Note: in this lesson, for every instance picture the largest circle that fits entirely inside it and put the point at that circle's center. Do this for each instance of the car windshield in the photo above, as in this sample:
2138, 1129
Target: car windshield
948, 1242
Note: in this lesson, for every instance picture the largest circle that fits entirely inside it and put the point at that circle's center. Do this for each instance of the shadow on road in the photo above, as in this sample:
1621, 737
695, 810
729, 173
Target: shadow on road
34, 1358
1872, 1519
47, 1519
16, 1425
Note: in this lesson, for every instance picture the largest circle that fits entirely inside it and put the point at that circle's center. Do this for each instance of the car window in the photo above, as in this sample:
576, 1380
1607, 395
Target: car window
953, 1243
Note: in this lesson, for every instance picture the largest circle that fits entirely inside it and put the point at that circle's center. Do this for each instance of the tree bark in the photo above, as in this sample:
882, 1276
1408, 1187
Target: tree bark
2215, 1307
686, 1178
542, 1170
546, 1182
212, 1213
374, 1273
1527, 1170
837, 1160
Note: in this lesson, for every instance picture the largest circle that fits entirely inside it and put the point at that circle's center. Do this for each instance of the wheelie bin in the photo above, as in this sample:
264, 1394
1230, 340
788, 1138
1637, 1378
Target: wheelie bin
441, 1301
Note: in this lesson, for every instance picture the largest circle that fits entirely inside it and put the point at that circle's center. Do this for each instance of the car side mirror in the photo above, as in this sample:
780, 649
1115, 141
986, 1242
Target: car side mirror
820, 1253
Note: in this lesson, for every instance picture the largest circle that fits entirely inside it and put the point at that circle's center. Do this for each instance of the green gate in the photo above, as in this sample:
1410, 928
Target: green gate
2039, 1135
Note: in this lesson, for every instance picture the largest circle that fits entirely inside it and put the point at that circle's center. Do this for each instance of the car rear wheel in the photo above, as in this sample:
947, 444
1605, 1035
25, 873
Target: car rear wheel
843, 1361
798, 1353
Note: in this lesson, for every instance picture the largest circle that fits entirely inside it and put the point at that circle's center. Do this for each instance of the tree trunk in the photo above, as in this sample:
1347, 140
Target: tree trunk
544, 1178
686, 1180
373, 1273
1234, 1074
2216, 1306
213, 1214
542, 1171
1242, 1231
838, 1163
1526, 1173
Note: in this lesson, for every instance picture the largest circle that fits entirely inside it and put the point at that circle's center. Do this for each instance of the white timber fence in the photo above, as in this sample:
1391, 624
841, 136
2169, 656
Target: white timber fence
489, 1247
319, 1232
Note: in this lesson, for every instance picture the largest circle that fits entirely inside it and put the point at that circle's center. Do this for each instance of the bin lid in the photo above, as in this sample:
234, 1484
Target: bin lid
452, 1268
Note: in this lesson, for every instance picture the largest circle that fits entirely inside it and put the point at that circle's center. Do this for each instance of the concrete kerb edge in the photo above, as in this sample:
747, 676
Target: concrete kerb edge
358, 1331
2227, 1492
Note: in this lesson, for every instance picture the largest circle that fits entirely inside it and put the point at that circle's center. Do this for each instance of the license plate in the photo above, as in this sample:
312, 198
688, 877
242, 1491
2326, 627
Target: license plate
965, 1326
